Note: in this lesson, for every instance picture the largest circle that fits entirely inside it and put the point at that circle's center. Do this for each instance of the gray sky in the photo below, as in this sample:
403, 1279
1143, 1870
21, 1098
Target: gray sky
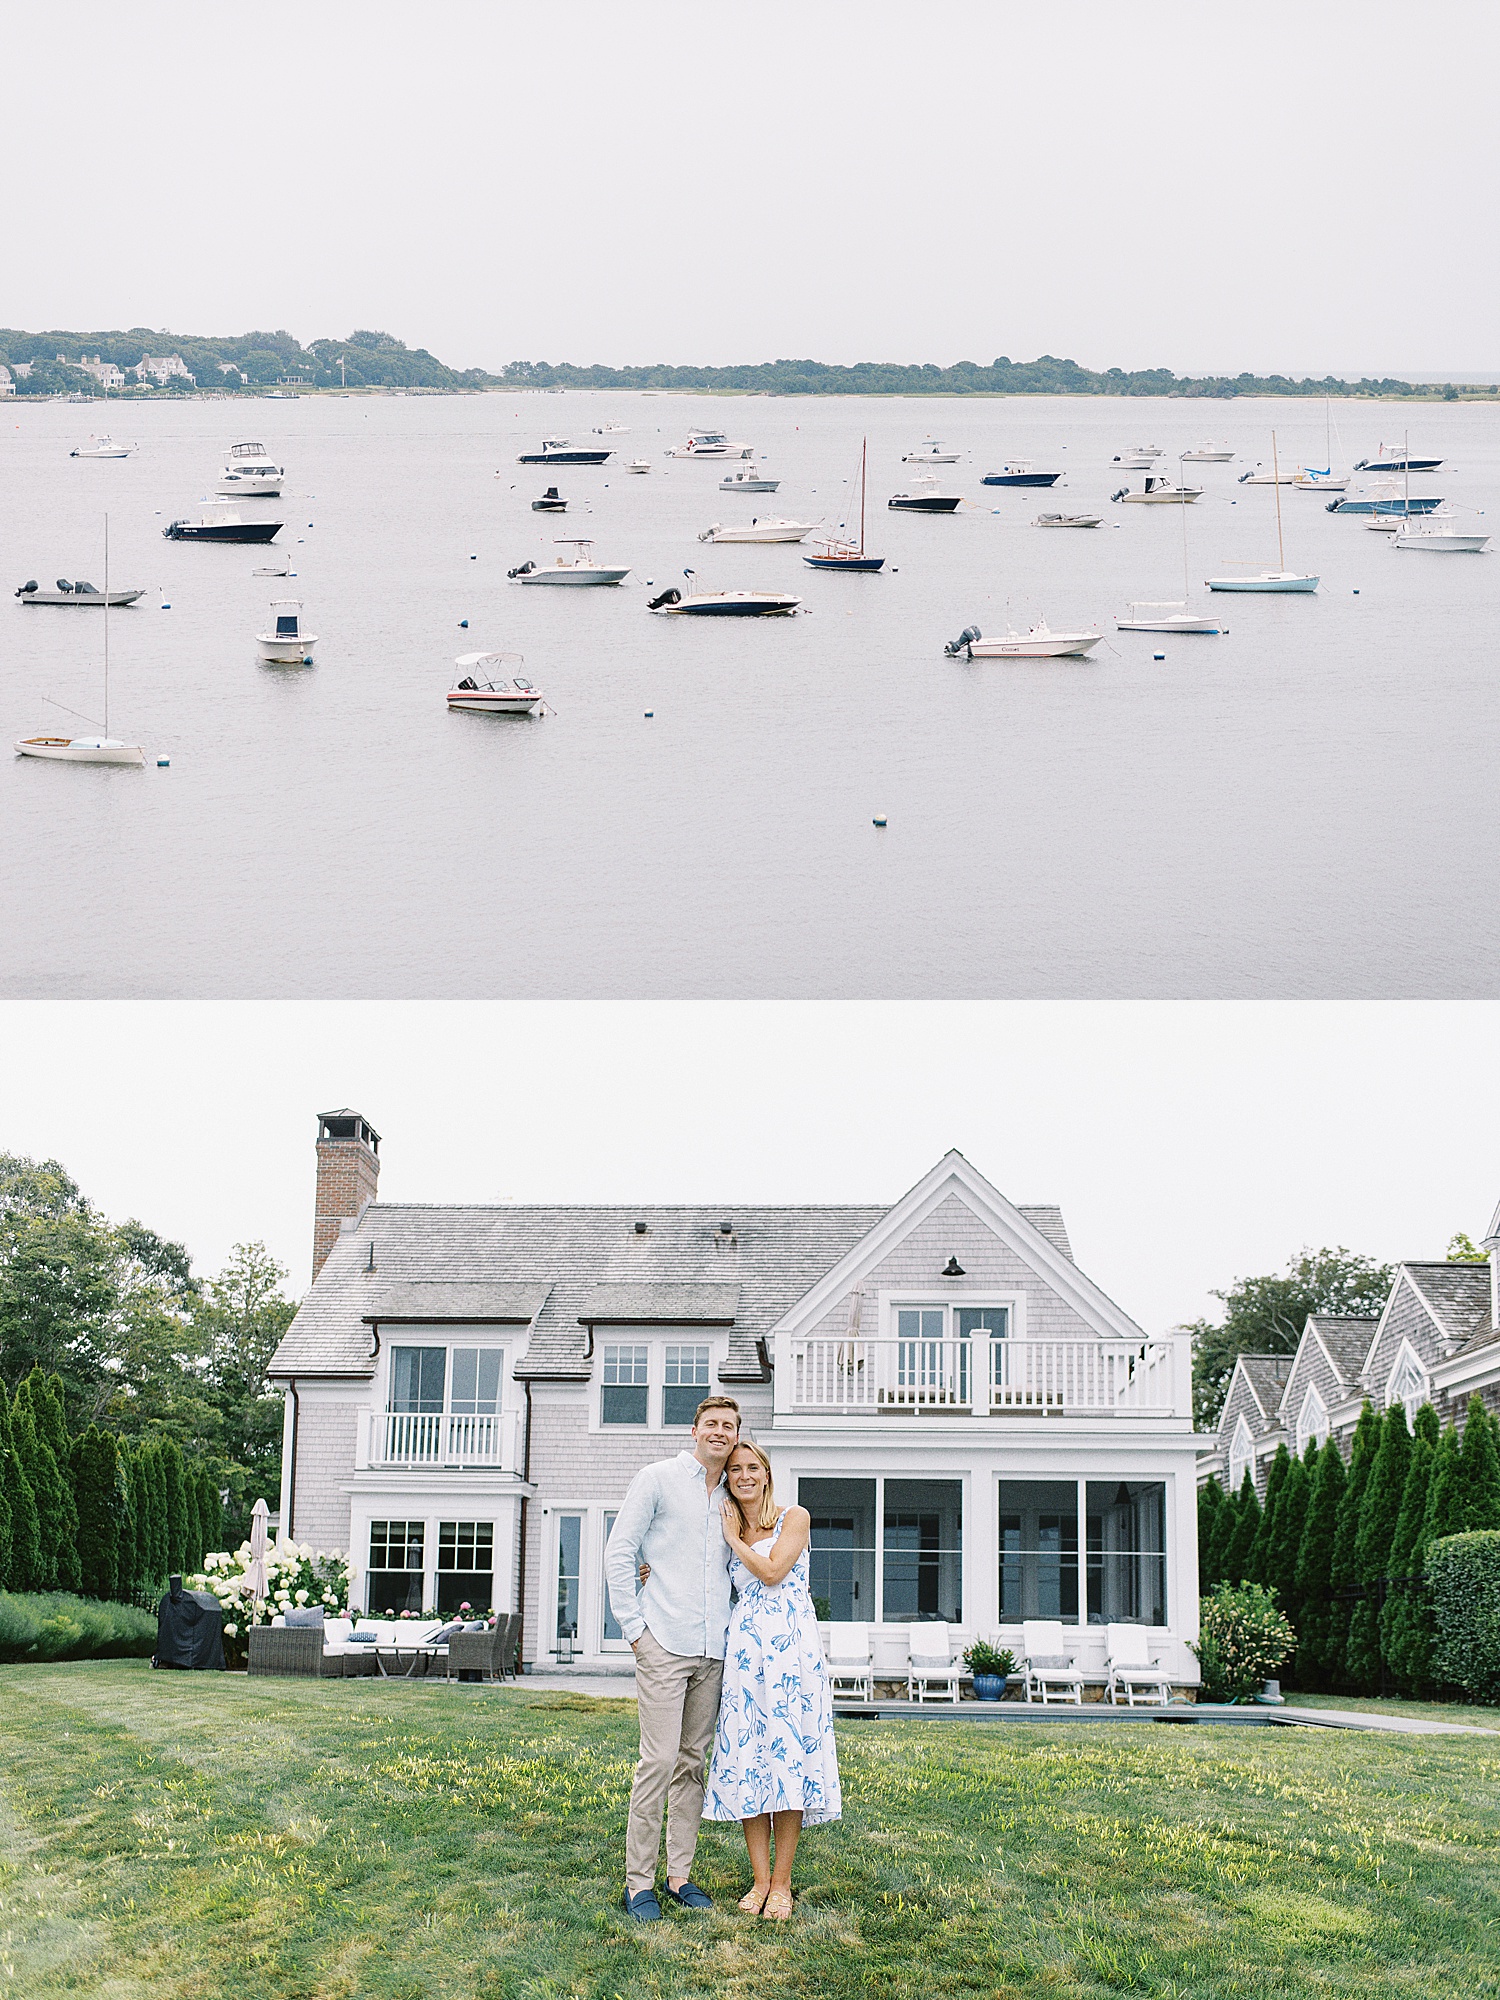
1288, 186
1188, 1144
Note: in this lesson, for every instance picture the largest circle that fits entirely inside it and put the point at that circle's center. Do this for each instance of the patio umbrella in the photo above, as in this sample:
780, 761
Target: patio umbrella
257, 1571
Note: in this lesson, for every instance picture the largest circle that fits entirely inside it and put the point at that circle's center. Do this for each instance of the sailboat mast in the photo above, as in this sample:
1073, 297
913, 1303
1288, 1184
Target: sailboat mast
106, 624
864, 451
1276, 484
1182, 481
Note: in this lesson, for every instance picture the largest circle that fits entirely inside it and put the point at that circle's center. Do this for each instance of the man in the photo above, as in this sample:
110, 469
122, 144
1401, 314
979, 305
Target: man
676, 1624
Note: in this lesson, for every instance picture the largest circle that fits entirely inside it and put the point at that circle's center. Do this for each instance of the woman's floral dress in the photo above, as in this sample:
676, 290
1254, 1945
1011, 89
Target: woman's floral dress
774, 1749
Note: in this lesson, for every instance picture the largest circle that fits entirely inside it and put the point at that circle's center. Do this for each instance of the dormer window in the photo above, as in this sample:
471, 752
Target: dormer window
627, 1375
1312, 1422
1241, 1455
685, 1384
1408, 1383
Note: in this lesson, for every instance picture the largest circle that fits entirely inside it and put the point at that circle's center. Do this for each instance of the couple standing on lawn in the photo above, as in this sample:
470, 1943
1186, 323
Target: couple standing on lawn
748, 1677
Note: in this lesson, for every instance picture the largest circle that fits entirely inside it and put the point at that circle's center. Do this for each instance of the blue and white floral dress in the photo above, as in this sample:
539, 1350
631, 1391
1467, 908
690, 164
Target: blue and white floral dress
774, 1749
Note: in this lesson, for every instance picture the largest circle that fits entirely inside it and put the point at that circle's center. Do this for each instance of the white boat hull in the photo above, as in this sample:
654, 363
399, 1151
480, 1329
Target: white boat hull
1185, 621
1443, 545
748, 485
1180, 496
100, 454
730, 604
1035, 646
480, 703
574, 576
81, 750
285, 652
1068, 521
1281, 582
929, 458
761, 531
1207, 457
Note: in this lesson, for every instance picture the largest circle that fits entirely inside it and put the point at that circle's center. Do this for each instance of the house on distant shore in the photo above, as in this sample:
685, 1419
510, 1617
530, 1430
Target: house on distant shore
1436, 1340
7, 381
980, 1434
161, 369
105, 373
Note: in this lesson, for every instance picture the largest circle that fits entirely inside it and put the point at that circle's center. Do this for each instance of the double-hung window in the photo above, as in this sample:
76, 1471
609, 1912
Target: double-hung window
393, 1581
627, 1374
444, 1406
685, 1383
466, 1565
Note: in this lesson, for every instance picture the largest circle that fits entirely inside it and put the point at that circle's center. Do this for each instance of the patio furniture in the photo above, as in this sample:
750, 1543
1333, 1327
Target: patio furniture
931, 1664
478, 1655
295, 1649
1128, 1665
1049, 1665
849, 1670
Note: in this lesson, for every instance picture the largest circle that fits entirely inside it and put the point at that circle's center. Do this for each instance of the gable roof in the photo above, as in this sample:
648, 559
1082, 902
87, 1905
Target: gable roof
1458, 1298
1346, 1342
1267, 1375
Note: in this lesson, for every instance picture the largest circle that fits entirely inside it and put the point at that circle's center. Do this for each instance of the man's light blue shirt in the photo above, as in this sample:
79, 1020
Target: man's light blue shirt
670, 1520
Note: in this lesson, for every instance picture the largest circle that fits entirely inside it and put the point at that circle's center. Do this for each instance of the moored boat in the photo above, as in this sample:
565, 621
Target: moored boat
250, 470
1389, 459
1387, 499
77, 593
844, 550
1040, 643
1208, 453
551, 502
1439, 534
759, 531
724, 604
1170, 617
576, 570
557, 451
924, 498
94, 749
101, 447
1068, 521
931, 451
1020, 474
1158, 493
222, 528
287, 645
484, 688
710, 444
749, 478
1283, 582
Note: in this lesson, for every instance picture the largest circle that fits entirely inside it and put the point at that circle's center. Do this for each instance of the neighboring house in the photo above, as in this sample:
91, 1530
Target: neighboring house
979, 1433
7, 382
1437, 1340
21, 370
105, 373
161, 368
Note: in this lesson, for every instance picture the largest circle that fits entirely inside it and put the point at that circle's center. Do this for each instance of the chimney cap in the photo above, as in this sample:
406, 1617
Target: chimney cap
347, 1124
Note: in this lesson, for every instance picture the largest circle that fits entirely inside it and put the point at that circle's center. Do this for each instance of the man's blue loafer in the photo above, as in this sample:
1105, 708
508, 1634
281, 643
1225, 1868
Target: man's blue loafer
643, 1906
690, 1896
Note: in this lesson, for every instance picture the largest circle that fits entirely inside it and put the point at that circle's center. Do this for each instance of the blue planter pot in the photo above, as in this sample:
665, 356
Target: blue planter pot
989, 1687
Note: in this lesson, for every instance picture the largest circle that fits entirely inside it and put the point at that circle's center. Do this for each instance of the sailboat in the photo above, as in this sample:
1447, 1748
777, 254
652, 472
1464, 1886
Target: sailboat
1322, 478
101, 749
1170, 616
1281, 579
842, 552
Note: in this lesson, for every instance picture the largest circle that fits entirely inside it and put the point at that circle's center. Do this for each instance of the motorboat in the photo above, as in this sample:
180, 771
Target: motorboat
1040, 643
1168, 618
1158, 493
1146, 451
1385, 524
1259, 476
1320, 479
223, 528
1388, 459
1387, 499
485, 689
748, 479
639, 465
95, 749
924, 498
611, 430
1068, 521
843, 550
551, 502
759, 531
101, 447
1284, 582
931, 451
1129, 462
1020, 474
287, 645
557, 451
250, 469
1208, 453
1440, 534
578, 569
724, 604
76, 593
710, 444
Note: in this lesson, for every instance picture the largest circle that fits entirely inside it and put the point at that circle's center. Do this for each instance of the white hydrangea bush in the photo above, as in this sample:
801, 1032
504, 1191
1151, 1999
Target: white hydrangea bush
296, 1574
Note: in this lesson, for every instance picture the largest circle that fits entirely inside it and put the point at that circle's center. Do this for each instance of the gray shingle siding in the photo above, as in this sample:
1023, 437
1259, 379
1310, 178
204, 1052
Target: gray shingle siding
325, 1465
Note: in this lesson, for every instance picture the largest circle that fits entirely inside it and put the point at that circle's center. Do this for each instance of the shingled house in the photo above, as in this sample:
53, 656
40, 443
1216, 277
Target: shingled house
1437, 1340
979, 1433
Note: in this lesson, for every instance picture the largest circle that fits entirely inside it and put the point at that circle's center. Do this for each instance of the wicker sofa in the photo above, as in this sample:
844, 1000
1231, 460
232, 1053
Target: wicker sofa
481, 1654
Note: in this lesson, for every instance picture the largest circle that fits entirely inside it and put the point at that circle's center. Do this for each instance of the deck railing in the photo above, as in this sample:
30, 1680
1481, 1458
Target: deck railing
968, 1377
432, 1439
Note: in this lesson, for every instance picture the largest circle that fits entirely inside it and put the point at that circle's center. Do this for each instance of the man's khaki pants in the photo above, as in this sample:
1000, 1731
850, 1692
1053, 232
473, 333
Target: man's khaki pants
678, 1697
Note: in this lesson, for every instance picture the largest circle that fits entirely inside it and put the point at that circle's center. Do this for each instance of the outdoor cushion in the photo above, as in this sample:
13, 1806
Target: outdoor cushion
363, 1638
1052, 1662
310, 1614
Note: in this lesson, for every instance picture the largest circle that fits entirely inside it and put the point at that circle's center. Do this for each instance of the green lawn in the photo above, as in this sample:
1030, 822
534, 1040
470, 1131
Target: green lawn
197, 1836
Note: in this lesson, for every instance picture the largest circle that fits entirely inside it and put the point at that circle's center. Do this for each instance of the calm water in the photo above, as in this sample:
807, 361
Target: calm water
1304, 807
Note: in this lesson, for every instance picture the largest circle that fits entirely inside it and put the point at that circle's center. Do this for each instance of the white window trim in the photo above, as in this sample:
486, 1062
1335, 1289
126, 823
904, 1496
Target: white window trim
1241, 1450
1410, 1362
890, 1303
448, 1337
1312, 1420
880, 1480
656, 1339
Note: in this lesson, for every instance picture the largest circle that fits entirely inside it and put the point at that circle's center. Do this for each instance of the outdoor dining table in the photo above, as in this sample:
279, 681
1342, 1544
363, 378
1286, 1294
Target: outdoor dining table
418, 1654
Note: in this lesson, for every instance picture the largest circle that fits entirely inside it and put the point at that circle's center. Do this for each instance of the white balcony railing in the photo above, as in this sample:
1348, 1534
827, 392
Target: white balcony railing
434, 1441
966, 1377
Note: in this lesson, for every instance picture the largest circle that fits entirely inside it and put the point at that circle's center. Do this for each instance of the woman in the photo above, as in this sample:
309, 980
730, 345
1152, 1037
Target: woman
774, 1764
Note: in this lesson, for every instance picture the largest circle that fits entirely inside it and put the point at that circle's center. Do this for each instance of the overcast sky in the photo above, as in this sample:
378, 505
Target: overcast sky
1205, 187
1188, 1144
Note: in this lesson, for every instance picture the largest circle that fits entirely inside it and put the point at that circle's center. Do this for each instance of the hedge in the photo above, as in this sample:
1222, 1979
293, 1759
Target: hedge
54, 1626
1463, 1575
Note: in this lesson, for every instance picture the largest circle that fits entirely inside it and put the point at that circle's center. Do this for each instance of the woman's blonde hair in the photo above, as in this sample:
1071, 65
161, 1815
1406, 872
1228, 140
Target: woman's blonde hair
768, 1508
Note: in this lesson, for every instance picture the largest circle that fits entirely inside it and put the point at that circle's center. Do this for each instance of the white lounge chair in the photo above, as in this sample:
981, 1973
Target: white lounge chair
849, 1669
931, 1664
1128, 1665
1049, 1665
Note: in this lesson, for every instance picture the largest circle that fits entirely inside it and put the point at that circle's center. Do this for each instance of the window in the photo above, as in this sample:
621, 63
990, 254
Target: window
569, 1569
476, 1381
841, 1547
1038, 1550
1312, 1422
626, 1374
394, 1580
931, 1370
922, 1559
982, 1322
612, 1633
686, 1382
1241, 1455
466, 1565
417, 1379
1408, 1383
1127, 1559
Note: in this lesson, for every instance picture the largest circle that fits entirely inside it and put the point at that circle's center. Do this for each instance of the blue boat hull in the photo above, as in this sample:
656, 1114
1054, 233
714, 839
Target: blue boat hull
1424, 504
1397, 464
867, 564
1020, 479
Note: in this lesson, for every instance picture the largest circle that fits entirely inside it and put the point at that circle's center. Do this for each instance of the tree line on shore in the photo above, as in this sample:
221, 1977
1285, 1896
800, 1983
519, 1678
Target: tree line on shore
364, 359
1347, 1549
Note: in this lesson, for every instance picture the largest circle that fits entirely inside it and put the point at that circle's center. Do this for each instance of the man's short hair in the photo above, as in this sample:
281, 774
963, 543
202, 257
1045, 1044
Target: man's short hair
717, 1403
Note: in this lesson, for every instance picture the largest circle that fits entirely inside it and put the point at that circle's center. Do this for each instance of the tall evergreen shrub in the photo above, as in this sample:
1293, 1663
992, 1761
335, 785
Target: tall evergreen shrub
1344, 1570
25, 1565
1374, 1536
1257, 1567
1210, 1500
1445, 1491
176, 1504
1314, 1571
1405, 1621
124, 1589
44, 1397
96, 1486
45, 1481
1464, 1571
1286, 1536
1241, 1539
1481, 1469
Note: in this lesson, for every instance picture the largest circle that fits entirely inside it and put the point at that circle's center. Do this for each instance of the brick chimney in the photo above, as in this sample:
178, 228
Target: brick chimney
348, 1169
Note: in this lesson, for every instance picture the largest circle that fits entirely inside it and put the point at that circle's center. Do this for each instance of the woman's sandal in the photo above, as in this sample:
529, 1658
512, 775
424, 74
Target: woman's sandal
751, 1903
778, 1905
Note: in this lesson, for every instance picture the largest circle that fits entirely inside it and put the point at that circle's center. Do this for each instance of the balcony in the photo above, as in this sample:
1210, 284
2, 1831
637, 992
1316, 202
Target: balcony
1030, 1378
438, 1442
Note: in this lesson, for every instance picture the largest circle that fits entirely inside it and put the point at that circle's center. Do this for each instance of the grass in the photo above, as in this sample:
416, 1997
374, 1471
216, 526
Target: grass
189, 1837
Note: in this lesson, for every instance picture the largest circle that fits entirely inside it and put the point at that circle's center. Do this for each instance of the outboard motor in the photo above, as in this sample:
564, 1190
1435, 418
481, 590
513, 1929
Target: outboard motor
1121, 494
667, 597
963, 642
27, 588
63, 584
525, 570
709, 533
